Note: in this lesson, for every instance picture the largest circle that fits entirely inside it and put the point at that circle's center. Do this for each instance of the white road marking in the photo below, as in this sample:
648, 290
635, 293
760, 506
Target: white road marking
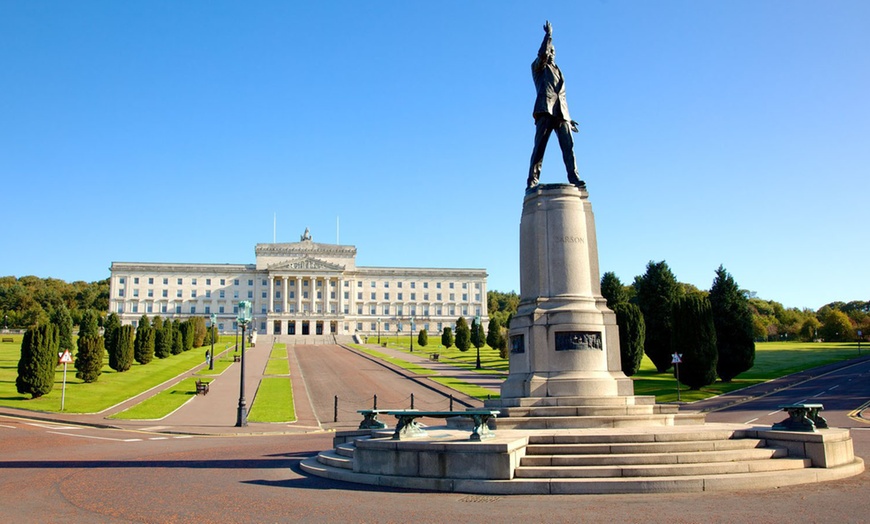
818, 394
833, 387
159, 438
773, 412
5, 426
751, 421
184, 436
52, 426
98, 438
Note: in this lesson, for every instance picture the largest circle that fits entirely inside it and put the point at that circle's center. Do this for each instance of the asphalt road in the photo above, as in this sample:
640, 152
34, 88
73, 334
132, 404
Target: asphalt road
65, 473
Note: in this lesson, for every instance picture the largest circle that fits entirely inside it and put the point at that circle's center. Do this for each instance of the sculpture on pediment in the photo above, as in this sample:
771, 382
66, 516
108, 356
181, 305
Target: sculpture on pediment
305, 236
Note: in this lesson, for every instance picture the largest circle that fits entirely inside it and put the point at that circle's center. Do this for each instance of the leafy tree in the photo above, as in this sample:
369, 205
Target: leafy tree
61, 318
657, 291
143, 347
38, 360
837, 327
502, 306
694, 336
733, 322
632, 333
199, 331
495, 337
810, 329
447, 338
613, 290
423, 338
177, 342
121, 358
89, 358
463, 335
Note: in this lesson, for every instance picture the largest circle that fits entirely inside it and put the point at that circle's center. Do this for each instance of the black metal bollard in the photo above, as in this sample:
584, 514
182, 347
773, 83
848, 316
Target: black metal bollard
335, 410
412, 401
375, 404
451, 402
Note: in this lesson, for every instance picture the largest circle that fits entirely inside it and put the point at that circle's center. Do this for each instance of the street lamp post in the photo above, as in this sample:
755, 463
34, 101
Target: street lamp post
477, 321
412, 334
379, 331
244, 318
211, 358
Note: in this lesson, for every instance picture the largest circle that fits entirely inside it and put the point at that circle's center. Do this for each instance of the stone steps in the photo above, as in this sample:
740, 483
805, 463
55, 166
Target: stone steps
632, 459
333, 459
623, 448
585, 422
586, 411
663, 470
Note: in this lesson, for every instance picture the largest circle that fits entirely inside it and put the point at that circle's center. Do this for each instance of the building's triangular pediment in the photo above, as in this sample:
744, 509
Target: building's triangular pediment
306, 263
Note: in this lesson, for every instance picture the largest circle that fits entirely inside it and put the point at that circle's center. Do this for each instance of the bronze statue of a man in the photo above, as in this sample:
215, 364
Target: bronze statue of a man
551, 112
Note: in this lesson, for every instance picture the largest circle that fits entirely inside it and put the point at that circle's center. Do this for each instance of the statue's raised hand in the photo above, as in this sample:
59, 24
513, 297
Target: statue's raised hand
548, 28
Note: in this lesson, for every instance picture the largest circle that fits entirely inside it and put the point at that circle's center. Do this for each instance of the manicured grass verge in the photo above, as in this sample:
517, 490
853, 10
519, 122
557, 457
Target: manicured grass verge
220, 365
490, 361
162, 404
471, 390
110, 389
277, 366
274, 401
413, 368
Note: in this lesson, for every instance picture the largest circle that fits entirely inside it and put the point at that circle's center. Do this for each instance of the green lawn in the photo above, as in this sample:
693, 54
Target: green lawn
772, 360
413, 368
489, 358
162, 404
110, 389
274, 401
277, 366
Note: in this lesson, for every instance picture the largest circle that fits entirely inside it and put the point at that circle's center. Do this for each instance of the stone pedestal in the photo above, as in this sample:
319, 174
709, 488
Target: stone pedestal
564, 341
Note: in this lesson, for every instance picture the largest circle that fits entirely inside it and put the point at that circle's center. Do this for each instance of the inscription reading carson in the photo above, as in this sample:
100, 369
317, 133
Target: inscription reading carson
578, 340
568, 240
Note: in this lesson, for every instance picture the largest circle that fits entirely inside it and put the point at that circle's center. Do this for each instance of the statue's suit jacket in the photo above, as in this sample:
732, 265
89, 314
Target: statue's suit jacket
551, 89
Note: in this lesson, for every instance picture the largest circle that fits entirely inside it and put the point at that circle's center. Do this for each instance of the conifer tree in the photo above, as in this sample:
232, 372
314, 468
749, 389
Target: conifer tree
122, 357
632, 333
199, 331
177, 346
733, 321
89, 358
657, 290
110, 334
61, 318
162, 338
613, 290
694, 337
143, 347
423, 338
463, 335
186, 330
495, 337
447, 338
38, 360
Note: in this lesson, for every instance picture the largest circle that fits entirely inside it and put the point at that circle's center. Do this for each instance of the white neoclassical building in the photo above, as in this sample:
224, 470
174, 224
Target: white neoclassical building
304, 289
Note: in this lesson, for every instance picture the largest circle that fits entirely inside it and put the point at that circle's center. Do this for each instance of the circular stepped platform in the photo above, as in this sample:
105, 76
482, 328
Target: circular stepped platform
630, 460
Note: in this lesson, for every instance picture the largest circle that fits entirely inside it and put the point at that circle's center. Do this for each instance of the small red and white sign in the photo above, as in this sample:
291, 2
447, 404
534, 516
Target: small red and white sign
66, 358
676, 358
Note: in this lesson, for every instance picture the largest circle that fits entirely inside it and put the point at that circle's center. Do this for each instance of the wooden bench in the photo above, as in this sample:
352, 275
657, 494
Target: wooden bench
8, 339
370, 419
201, 387
434, 357
236, 358
407, 426
802, 417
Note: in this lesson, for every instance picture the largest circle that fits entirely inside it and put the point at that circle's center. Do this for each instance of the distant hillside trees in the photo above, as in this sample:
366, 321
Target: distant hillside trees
28, 300
38, 360
694, 337
733, 322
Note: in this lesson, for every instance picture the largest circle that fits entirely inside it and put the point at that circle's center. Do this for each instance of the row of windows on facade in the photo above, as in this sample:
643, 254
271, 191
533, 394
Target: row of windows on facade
387, 309
292, 283
359, 326
305, 295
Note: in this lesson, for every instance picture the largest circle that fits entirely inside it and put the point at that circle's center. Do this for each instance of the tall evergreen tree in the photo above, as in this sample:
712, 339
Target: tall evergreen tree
143, 347
111, 327
122, 357
613, 290
733, 321
38, 360
694, 336
495, 337
61, 318
632, 333
162, 338
90, 324
463, 335
657, 291
447, 338
177, 346
199, 331
478, 336
186, 330
89, 358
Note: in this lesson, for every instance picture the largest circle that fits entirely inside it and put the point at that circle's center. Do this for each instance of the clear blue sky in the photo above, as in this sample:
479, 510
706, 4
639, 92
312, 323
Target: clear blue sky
716, 132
